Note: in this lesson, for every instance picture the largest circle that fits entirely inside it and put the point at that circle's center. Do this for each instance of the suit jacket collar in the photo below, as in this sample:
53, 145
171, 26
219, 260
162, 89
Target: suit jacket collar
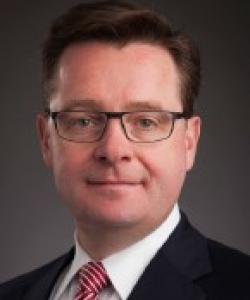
172, 274
44, 285
175, 270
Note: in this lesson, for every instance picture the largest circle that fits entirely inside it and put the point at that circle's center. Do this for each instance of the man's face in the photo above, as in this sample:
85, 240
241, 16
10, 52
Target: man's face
115, 182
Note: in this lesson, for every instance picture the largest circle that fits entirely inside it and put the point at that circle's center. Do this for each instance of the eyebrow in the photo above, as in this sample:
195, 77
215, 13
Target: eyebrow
149, 105
144, 105
82, 104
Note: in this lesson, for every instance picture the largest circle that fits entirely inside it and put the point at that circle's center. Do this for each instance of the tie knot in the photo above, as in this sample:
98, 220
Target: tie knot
92, 279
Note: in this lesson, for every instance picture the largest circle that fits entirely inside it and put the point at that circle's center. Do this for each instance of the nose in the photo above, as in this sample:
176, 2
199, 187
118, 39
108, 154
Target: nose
114, 146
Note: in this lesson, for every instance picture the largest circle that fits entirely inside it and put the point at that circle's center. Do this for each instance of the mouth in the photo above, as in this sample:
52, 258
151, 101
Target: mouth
113, 182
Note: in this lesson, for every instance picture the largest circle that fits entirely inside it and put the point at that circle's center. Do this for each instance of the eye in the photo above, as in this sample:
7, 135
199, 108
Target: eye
81, 122
89, 121
146, 123
77, 122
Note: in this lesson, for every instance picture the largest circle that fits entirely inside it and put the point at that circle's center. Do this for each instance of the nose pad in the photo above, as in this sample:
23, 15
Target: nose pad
114, 145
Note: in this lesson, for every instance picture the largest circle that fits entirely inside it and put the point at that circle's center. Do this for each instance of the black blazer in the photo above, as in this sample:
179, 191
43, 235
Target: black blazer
187, 267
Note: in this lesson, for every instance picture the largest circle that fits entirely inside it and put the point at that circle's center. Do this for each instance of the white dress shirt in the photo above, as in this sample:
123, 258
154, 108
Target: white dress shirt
124, 268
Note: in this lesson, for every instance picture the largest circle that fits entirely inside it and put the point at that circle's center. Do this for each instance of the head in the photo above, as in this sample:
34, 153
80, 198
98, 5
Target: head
113, 56
120, 23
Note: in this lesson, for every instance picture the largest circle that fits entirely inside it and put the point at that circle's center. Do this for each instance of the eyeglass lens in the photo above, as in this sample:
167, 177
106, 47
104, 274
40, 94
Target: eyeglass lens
80, 126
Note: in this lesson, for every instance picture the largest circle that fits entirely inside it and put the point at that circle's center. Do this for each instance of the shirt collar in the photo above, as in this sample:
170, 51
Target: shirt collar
80, 259
135, 258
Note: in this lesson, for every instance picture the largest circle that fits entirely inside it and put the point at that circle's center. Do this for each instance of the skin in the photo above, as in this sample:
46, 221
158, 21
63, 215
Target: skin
118, 191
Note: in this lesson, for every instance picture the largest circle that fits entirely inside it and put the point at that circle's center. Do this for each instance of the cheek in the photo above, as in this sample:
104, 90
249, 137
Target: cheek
166, 165
167, 158
68, 163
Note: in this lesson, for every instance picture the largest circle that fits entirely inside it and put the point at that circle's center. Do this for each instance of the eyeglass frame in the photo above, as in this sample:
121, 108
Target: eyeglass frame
117, 115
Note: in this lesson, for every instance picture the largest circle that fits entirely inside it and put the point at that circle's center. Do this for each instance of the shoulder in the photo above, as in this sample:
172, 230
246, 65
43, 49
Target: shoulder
230, 273
226, 271
228, 260
221, 257
46, 275
15, 288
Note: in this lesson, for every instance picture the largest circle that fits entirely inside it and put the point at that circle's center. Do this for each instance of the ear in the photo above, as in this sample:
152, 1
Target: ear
191, 140
43, 133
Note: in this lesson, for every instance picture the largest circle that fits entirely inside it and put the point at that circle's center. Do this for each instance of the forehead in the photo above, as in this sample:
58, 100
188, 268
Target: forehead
115, 77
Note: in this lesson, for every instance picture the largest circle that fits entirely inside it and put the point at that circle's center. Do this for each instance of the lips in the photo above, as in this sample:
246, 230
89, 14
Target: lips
125, 178
113, 182
103, 186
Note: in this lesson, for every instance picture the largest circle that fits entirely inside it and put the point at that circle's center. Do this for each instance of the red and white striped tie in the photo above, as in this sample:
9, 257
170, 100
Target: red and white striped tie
92, 279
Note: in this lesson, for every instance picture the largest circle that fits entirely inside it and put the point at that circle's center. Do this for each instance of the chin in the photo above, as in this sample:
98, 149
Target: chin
109, 218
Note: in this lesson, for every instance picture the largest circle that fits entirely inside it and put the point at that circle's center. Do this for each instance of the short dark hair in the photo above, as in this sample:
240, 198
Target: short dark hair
120, 23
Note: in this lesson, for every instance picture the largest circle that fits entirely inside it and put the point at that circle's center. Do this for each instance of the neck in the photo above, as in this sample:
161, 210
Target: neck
108, 241
101, 239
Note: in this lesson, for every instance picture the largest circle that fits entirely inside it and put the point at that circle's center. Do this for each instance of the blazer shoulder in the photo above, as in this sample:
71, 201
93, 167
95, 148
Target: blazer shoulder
227, 258
230, 272
17, 287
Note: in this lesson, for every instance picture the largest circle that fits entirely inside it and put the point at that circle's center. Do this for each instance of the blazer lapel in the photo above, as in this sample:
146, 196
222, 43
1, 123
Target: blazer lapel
43, 287
174, 271
172, 274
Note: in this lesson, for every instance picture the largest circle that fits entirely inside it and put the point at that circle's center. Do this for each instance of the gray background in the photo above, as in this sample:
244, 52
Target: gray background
34, 226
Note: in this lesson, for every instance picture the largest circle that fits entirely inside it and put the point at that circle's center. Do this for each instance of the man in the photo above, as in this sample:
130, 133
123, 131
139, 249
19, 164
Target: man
119, 134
